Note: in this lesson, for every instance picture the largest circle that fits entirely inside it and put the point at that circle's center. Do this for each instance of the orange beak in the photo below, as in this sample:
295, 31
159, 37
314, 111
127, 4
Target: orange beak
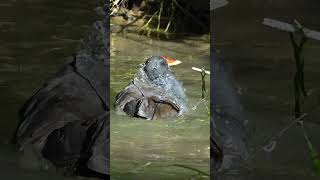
171, 61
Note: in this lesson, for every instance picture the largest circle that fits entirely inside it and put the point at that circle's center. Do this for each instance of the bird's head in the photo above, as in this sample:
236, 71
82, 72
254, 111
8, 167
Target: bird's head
171, 61
158, 66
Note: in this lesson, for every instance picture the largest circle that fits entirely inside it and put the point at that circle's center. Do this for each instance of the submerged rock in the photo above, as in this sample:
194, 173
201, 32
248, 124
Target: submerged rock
153, 93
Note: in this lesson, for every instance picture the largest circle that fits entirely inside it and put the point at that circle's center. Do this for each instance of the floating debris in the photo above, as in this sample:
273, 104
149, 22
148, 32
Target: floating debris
296, 27
200, 70
215, 4
141, 167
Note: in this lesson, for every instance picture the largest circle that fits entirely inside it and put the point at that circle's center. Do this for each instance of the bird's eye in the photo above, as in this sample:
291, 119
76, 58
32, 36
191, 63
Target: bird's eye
163, 62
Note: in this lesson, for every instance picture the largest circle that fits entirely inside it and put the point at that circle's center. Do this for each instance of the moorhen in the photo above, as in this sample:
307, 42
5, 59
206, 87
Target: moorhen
154, 92
229, 146
67, 120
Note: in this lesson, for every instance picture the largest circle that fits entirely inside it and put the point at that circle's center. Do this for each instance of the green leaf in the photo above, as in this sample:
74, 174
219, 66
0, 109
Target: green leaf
315, 159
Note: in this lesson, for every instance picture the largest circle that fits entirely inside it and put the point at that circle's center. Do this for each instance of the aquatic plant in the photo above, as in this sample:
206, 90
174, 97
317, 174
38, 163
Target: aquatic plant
200, 174
157, 18
298, 37
203, 100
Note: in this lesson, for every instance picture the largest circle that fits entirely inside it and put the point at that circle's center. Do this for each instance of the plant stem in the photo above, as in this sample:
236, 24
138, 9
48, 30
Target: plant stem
159, 15
171, 17
191, 168
203, 75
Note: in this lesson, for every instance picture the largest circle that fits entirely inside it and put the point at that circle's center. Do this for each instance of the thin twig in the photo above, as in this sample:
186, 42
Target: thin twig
275, 137
191, 168
148, 22
159, 15
171, 17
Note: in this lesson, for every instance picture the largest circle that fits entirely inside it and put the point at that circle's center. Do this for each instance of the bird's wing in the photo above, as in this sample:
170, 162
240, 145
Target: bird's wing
129, 94
100, 149
60, 101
